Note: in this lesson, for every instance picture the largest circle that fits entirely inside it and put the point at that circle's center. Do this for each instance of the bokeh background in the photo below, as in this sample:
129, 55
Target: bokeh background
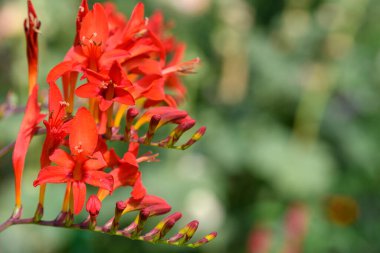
289, 91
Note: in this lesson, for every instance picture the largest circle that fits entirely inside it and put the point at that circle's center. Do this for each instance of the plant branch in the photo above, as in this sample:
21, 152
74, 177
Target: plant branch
182, 237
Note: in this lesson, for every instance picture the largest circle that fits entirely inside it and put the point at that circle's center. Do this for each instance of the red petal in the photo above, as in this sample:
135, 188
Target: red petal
156, 91
141, 48
139, 190
95, 27
95, 162
61, 69
150, 67
124, 175
105, 104
153, 203
136, 21
178, 54
110, 56
130, 157
96, 77
111, 158
53, 174
123, 97
88, 90
116, 73
146, 82
83, 10
84, 134
55, 97
171, 101
168, 114
63, 159
79, 194
99, 179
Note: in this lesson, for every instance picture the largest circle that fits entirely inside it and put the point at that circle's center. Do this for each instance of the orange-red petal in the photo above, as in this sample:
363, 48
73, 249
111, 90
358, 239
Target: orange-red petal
79, 194
94, 28
139, 190
84, 135
61, 158
88, 90
53, 174
95, 162
99, 179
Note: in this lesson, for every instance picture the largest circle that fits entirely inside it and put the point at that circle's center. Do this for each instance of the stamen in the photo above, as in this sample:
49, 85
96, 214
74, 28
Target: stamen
103, 85
79, 148
64, 103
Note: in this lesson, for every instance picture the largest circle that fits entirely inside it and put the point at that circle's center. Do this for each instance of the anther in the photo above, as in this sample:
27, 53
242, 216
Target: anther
64, 103
79, 148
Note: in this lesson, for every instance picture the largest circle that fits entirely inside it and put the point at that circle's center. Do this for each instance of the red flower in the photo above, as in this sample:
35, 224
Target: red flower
83, 166
158, 76
32, 118
109, 88
57, 126
125, 171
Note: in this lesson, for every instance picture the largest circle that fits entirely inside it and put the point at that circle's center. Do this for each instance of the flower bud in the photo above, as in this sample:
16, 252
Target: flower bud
185, 234
93, 205
198, 134
131, 115
154, 121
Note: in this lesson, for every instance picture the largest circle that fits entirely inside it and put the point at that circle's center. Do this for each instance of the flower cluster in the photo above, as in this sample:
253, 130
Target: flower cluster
119, 75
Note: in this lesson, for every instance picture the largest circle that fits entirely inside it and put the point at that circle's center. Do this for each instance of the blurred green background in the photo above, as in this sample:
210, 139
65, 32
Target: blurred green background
289, 92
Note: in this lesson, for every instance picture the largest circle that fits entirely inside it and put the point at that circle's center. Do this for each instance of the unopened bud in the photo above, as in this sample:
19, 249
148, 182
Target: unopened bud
179, 130
93, 205
135, 228
185, 234
120, 206
131, 115
201, 131
204, 240
154, 121
162, 228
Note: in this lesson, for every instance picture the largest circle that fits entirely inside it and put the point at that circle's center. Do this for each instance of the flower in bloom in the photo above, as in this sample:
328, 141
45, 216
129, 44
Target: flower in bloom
109, 88
125, 171
57, 125
82, 166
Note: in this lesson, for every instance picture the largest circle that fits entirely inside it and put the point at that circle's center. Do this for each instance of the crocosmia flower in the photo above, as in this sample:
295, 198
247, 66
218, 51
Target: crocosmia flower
130, 88
83, 166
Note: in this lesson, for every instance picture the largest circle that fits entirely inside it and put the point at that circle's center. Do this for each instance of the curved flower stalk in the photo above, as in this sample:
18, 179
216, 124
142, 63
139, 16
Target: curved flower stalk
130, 71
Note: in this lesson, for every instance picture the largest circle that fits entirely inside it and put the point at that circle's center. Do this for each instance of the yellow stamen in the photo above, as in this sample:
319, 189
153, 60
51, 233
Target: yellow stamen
119, 115
66, 200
